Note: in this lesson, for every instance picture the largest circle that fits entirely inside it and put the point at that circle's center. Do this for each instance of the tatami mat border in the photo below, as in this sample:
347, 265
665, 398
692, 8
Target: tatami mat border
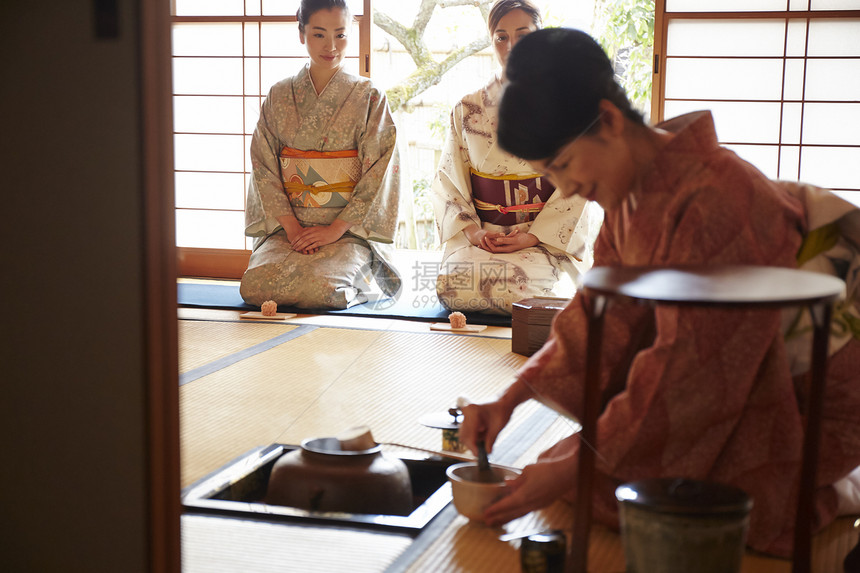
513, 446
407, 331
231, 359
387, 328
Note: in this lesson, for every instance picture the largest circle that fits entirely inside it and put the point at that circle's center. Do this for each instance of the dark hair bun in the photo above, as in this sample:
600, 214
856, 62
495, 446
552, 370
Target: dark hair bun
556, 79
308, 8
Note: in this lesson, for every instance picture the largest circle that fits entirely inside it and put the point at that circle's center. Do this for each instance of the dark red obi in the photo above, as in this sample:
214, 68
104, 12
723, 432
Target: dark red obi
509, 199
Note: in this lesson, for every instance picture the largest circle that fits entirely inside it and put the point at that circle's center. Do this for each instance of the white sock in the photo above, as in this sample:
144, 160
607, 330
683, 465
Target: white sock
848, 492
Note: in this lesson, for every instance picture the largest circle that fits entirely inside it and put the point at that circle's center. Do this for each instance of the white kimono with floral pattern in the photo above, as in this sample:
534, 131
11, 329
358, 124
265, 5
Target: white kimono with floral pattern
349, 114
472, 279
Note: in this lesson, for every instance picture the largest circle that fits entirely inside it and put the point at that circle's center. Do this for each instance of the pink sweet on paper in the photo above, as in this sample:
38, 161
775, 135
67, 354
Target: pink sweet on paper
269, 308
457, 319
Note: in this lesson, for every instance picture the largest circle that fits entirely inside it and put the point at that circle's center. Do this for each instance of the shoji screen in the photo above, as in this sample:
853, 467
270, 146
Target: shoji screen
782, 78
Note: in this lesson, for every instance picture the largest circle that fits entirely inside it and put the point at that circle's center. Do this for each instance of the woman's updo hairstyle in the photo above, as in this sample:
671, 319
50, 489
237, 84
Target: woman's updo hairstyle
556, 79
307, 8
502, 7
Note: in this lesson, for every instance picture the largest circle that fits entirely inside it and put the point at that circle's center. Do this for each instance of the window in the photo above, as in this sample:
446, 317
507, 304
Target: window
226, 54
782, 78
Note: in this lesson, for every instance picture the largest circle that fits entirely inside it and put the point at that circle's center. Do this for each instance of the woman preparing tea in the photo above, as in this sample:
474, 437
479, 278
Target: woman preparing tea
699, 393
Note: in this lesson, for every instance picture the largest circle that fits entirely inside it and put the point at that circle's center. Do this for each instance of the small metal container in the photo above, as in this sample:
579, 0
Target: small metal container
680, 525
449, 423
543, 552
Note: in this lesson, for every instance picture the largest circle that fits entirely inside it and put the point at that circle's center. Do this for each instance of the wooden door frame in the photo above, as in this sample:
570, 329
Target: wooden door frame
659, 62
159, 275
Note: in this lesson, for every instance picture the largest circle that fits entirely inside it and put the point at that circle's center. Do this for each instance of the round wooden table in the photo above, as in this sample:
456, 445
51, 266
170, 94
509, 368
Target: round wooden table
715, 286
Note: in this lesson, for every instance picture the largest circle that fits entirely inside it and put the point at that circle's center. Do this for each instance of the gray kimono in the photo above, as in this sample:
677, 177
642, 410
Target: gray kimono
321, 157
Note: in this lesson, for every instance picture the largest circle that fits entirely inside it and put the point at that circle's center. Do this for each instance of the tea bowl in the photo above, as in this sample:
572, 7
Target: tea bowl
471, 495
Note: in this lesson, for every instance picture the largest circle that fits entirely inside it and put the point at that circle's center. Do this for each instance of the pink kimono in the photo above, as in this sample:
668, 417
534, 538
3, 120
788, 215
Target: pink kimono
710, 396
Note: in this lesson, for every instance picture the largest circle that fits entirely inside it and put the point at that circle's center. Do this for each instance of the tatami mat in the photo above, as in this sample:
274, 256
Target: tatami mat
323, 380
235, 546
203, 342
328, 380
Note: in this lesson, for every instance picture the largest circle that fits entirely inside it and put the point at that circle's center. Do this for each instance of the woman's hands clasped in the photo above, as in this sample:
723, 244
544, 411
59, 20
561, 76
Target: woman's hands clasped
494, 242
308, 240
512, 242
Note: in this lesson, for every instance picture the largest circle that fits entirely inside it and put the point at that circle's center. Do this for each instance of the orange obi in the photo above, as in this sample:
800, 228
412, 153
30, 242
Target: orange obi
319, 178
509, 199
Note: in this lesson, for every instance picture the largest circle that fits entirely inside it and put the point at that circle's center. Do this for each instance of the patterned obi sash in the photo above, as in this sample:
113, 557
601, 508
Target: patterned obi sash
509, 199
319, 178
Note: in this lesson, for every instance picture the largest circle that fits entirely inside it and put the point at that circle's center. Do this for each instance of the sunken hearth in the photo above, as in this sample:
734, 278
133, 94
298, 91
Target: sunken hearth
239, 488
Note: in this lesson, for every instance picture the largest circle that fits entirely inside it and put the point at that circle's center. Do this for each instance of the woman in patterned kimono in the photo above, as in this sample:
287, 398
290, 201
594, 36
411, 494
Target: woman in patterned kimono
507, 234
690, 392
322, 201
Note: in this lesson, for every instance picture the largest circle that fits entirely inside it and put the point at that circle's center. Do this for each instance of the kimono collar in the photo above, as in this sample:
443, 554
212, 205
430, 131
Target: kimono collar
694, 130
307, 83
498, 78
492, 91
695, 135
